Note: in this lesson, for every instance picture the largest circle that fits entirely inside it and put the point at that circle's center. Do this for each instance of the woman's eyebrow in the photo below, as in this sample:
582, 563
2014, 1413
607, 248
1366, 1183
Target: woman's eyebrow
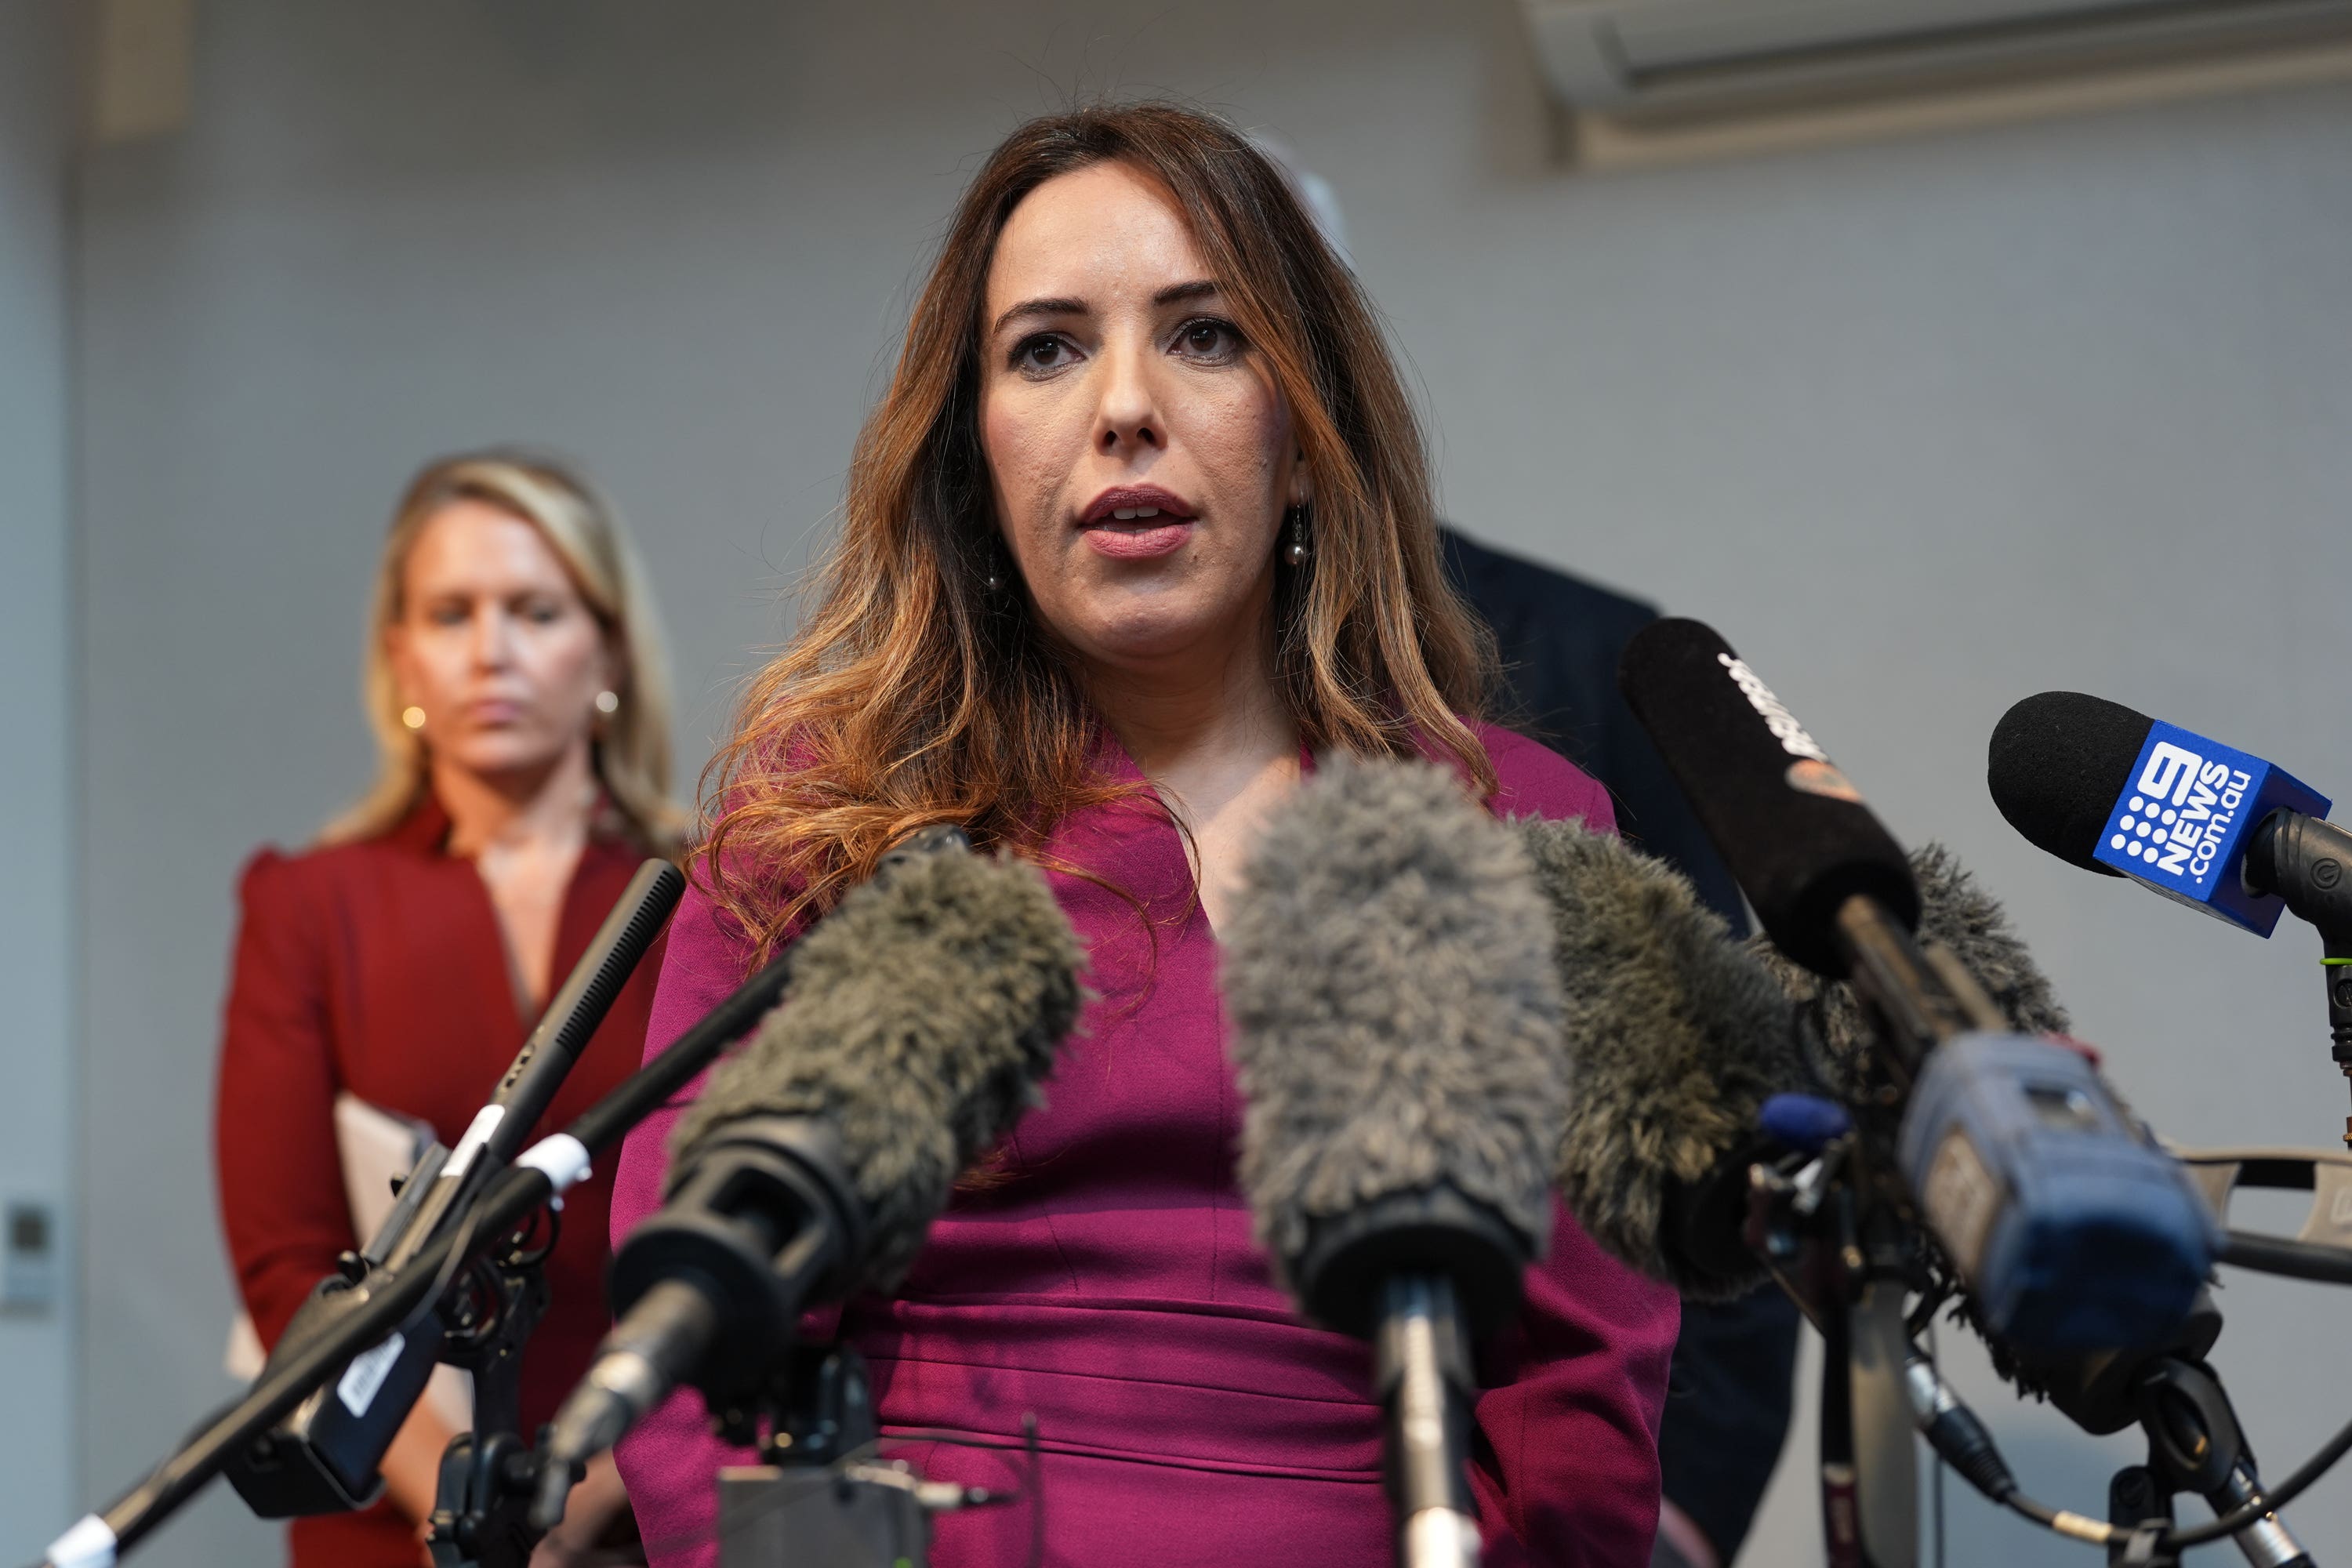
1199, 287
1039, 308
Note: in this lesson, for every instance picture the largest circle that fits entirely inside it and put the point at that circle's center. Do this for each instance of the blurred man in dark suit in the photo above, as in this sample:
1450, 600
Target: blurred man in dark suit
1728, 1402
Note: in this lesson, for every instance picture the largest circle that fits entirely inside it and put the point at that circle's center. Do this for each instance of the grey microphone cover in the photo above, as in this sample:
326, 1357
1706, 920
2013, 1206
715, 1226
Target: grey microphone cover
1956, 910
1675, 1036
922, 1016
1387, 971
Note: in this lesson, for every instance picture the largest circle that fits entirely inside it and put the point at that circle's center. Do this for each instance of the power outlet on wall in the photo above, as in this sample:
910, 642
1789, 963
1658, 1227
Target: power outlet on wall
29, 1251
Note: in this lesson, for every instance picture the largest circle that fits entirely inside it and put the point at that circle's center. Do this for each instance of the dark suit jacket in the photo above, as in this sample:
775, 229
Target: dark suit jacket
1728, 1402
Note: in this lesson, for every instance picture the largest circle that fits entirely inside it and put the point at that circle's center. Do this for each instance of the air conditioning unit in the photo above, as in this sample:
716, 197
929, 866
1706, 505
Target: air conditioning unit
1661, 63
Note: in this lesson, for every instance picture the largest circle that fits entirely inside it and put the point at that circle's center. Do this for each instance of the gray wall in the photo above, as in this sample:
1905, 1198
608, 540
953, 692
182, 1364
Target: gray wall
1924, 426
37, 917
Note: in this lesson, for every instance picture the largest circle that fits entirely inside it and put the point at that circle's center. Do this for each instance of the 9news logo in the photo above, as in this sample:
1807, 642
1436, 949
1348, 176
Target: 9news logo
2178, 818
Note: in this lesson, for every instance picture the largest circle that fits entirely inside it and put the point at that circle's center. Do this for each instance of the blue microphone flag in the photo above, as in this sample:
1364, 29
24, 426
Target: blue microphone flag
2182, 823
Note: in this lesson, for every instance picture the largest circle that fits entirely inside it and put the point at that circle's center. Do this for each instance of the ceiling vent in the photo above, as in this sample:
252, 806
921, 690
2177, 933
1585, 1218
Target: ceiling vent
1656, 68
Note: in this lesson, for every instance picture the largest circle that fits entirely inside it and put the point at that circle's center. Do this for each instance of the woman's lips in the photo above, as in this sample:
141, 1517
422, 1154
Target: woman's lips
1140, 540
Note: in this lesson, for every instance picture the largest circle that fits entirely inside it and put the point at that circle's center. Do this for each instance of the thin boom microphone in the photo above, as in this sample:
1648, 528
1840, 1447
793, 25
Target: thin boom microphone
326, 1458
544, 1171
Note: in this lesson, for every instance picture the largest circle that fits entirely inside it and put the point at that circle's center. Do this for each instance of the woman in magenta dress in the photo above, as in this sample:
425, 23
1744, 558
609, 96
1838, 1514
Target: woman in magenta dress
515, 684
1141, 526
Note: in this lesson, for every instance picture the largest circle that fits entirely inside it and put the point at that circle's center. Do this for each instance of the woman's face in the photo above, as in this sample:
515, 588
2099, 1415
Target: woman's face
495, 644
1139, 451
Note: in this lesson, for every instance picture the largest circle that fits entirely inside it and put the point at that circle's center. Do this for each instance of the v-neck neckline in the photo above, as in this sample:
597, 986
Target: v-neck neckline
1166, 834
427, 829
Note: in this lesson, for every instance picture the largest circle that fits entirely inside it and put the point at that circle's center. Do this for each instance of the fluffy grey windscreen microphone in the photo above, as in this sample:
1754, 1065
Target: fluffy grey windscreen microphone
1675, 1036
1387, 972
1956, 910
923, 1016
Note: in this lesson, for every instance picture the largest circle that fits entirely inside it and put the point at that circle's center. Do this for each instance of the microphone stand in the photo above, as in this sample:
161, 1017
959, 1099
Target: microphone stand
1844, 1262
2195, 1445
481, 1506
1421, 1372
819, 1497
2307, 862
544, 1171
1836, 1241
326, 1458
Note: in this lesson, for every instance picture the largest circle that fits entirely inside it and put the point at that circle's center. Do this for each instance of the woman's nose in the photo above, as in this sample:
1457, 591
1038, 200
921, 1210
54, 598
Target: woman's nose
493, 637
1128, 419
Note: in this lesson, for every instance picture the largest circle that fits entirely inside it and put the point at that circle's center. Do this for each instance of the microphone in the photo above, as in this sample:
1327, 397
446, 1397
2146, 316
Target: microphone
1675, 1035
1790, 827
922, 1016
2071, 1226
324, 1458
1956, 915
2113, 790
2220, 830
1395, 1009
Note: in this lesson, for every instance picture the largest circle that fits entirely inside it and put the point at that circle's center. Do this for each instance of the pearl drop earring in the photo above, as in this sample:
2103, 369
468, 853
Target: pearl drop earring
413, 716
608, 703
1297, 551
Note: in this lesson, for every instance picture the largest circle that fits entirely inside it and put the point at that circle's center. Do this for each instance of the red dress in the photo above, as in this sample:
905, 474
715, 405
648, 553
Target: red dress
379, 967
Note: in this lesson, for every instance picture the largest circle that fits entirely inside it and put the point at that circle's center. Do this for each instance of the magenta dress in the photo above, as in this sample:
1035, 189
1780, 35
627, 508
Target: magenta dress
1106, 1280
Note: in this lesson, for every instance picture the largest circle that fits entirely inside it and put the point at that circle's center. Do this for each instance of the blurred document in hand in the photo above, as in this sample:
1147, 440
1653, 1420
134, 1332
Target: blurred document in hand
376, 1146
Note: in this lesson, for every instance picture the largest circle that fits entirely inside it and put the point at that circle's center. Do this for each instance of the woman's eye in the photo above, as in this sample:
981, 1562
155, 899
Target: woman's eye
1044, 352
449, 615
542, 611
1209, 339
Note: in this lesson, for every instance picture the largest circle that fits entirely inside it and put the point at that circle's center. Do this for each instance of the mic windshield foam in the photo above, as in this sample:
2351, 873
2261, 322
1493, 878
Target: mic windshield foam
1386, 970
2057, 764
1955, 910
1675, 1036
923, 1013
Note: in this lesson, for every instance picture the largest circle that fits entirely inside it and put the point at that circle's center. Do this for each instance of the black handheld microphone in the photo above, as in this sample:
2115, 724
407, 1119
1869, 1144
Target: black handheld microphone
1792, 829
1388, 973
922, 1015
2113, 790
2109, 789
323, 1459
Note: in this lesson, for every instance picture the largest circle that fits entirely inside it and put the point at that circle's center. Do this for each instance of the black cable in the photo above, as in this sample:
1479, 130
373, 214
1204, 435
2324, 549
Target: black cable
1937, 1482
1992, 1478
2273, 1499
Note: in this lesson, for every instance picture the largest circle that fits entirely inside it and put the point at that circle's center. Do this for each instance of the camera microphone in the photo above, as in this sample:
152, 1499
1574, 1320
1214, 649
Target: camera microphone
1389, 974
921, 1018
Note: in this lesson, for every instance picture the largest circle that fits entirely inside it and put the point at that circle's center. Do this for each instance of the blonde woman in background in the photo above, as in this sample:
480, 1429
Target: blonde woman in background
515, 683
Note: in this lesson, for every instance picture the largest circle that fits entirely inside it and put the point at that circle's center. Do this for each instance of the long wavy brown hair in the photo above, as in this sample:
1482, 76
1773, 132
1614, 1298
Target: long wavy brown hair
912, 694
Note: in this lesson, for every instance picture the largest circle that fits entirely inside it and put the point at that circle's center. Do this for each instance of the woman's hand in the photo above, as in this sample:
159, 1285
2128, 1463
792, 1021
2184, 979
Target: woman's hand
594, 1502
